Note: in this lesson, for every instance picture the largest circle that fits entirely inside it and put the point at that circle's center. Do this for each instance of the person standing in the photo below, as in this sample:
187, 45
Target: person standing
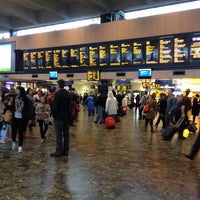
90, 103
43, 111
21, 115
101, 101
153, 107
111, 105
61, 114
195, 107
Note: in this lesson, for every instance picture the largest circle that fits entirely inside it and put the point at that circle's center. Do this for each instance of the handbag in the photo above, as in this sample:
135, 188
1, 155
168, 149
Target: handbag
146, 108
191, 127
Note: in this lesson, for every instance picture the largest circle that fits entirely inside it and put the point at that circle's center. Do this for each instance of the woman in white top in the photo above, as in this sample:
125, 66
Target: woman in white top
111, 105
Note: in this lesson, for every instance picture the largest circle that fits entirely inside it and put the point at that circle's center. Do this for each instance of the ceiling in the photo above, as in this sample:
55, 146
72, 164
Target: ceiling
23, 14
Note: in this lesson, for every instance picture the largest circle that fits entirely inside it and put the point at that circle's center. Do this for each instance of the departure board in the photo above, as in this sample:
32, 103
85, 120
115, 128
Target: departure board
41, 59
33, 57
195, 48
93, 56
65, 58
74, 57
103, 55
57, 58
138, 52
115, 54
126, 53
152, 51
180, 49
26, 60
84, 60
49, 59
167, 51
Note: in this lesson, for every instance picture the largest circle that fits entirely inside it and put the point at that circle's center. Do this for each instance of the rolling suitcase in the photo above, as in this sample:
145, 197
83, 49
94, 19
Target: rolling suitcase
169, 132
110, 122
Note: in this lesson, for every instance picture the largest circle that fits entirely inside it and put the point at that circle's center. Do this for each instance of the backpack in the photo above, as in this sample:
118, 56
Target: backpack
74, 108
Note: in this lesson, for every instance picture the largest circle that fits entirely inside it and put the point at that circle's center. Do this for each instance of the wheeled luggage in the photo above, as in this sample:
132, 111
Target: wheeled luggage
191, 127
169, 132
110, 122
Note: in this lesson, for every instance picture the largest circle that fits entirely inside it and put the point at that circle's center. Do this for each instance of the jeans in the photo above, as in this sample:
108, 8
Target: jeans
62, 132
18, 126
43, 128
100, 110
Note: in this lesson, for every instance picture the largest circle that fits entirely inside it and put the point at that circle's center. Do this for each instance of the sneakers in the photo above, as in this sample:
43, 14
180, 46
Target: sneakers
20, 149
13, 145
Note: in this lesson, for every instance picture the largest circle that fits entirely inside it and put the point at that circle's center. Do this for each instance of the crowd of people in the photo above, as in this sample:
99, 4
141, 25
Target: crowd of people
60, 108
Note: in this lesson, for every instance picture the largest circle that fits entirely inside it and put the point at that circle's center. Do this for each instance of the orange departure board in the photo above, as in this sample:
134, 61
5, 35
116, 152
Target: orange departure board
26, 60
49, 59
74, 57
84, 60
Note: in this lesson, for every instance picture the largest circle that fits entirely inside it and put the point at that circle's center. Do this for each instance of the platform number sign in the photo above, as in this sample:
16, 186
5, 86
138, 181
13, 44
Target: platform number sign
93, 75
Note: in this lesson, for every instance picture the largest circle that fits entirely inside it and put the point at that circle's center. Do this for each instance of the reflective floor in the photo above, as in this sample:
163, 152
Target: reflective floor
125, 163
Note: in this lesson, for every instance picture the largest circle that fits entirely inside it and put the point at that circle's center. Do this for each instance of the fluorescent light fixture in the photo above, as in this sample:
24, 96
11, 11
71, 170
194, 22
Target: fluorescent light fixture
163, 10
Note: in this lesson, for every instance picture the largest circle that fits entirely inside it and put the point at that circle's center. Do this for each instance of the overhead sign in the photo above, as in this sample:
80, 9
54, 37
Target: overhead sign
93, 76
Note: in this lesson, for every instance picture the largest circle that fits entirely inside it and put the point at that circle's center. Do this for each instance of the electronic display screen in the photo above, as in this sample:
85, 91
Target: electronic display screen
126, 53
195, 48
57, 58
49, 59
115, 54
33, 57
158, 51
166, 50
65, 58
84, 60
93, 56
26, 60
138, 52
103, 55
53, 75
180, 49
74, 57
152, 51
41, 59
144, 73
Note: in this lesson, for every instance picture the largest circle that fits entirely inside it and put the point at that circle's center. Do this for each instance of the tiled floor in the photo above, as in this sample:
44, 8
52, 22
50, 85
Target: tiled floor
125, 163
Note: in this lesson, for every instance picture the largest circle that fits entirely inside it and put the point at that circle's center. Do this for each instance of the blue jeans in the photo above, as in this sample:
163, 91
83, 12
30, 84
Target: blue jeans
62, 131
100, 113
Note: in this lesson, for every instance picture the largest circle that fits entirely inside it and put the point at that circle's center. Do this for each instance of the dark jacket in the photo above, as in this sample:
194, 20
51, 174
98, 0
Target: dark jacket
195, 107
61, 104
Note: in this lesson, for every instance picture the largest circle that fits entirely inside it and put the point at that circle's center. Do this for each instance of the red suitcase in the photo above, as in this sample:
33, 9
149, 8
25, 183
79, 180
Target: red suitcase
110, 122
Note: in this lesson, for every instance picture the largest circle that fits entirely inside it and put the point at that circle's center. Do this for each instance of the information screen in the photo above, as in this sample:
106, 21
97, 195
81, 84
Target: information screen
126, 53
65, 58
103, 55
152, 51
74, 57
26, 60
84, 60
41, 59
166, 50
93, 56
115, 54
49, 59
180, 49
33, 56
195, 48
57, 58
138, 52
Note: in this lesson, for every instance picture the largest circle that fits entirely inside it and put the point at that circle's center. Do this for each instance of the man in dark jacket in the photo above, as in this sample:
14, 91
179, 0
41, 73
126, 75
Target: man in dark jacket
60, 112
